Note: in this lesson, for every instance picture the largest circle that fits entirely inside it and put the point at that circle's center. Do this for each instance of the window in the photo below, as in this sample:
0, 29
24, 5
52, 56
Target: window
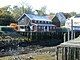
36, 21
43, 22
33, 21
46, 22
40, 21
22, 27
45, 27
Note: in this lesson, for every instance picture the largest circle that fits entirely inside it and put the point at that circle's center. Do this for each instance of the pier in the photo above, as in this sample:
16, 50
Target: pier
55, 34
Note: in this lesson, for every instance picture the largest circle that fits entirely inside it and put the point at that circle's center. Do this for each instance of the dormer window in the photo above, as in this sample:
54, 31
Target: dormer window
33, 21
43, 22
40, 21
46, 22
36, 21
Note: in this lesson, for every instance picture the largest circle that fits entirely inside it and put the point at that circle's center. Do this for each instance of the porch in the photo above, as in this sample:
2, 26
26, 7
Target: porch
37, 27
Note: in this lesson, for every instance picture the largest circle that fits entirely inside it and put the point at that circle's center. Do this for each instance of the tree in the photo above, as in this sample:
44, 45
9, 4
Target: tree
5, 10
51, 13
18, 11
5, 16
72, 13
6, 20
42, 11
67, 15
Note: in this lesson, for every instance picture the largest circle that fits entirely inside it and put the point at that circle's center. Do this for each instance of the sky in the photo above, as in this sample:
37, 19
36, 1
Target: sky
51, 5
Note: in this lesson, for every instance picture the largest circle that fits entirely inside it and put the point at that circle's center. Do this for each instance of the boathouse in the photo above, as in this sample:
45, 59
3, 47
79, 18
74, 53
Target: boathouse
31, 22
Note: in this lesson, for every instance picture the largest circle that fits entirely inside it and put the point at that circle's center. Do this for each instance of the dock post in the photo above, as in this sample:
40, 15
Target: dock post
56, 55
74, 54
65, 49
71, 29
64, 37
79, 55
62, 53
74, 34
68, 34
68, 47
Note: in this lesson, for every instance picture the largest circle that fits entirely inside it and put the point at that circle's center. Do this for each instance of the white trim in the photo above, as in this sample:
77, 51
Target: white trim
43, 19
28, 17
21, 16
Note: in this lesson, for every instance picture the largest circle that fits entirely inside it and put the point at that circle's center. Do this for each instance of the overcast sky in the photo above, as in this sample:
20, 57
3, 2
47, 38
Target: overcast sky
52, 5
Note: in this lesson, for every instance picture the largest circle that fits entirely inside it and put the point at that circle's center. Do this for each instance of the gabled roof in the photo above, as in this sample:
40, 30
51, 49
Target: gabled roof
36, 17
61, 17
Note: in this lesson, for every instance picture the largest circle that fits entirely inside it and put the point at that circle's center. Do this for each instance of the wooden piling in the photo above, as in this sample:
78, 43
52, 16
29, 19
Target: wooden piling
62, 54
56, 53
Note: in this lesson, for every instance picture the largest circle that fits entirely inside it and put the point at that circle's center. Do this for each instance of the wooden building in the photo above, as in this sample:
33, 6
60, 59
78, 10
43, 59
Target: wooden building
76, 23
30, 22
59, 19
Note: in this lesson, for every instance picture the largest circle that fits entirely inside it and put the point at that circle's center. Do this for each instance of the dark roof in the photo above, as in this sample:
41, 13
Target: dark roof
36, 17
61, 17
